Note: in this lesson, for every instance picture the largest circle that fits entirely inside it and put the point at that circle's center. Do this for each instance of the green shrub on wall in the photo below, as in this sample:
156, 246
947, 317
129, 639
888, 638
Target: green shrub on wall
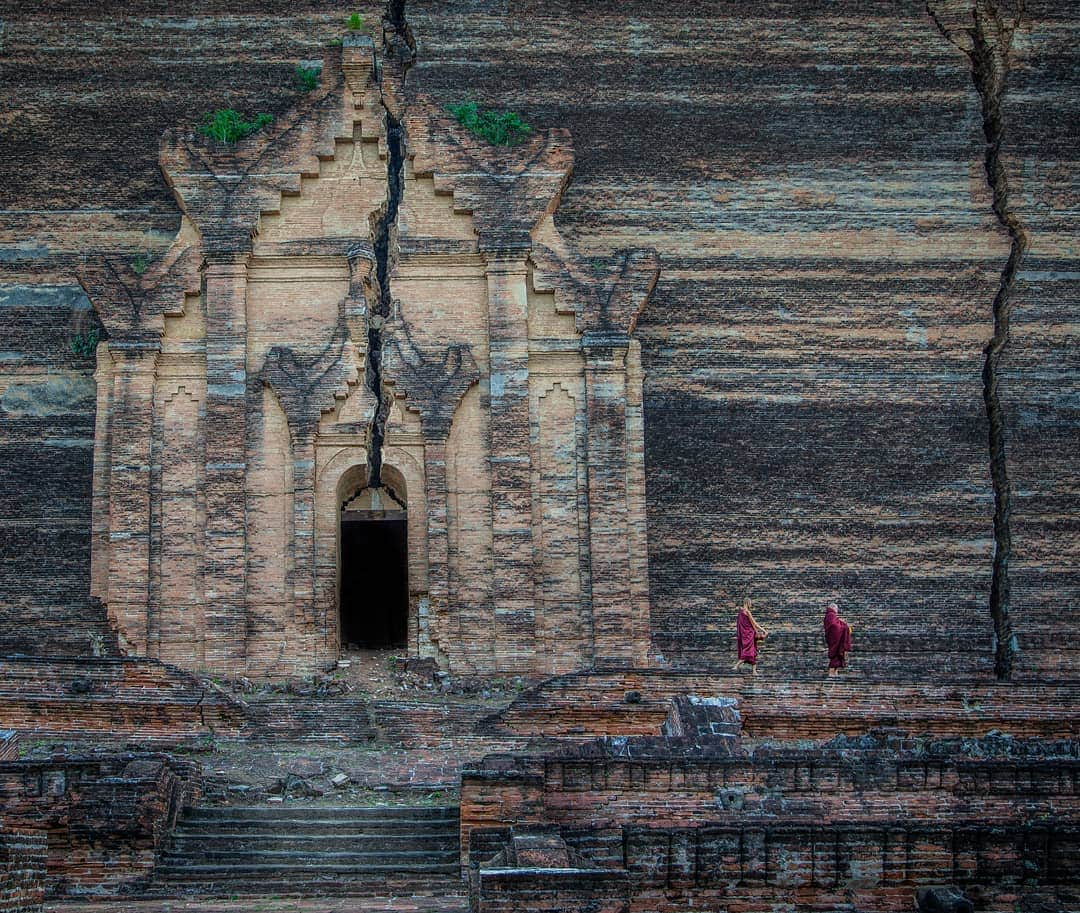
500, 128
85, 343
306, 78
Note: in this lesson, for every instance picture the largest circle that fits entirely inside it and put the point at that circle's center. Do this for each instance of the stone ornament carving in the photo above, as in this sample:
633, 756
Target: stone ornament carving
432, 381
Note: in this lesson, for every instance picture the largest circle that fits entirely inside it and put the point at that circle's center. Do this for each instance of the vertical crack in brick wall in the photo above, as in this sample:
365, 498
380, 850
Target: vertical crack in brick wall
987, 43
398, 42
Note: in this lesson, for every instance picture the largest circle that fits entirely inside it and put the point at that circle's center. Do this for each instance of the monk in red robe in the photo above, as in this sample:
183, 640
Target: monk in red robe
748, 634
837, 638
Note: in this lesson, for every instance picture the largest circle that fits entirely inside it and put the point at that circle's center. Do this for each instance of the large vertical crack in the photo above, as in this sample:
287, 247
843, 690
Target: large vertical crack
987, 43
398, 47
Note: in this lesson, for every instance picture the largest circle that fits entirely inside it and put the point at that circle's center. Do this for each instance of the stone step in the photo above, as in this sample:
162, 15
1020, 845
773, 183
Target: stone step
430, 892
210, 872
338, 860
255, 828
289, 815
309, 850
183, 841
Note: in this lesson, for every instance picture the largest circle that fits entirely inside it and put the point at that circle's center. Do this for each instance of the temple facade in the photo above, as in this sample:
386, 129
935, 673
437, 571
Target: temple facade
370, 396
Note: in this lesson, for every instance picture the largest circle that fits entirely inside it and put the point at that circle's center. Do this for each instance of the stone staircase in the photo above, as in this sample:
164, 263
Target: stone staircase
312, 851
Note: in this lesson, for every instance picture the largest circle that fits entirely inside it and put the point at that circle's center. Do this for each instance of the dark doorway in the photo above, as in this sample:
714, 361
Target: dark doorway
374, 583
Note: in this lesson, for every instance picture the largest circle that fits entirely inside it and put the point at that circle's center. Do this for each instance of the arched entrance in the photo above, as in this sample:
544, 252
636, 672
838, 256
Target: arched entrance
373, 590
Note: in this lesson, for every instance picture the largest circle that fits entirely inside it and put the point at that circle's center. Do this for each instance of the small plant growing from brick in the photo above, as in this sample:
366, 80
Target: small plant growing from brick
140, 263
228, 126
499, 128
85, 343
306, 78
357, 23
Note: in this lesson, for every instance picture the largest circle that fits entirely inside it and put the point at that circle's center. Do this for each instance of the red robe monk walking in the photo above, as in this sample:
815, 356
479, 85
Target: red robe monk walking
748, 633
837, 638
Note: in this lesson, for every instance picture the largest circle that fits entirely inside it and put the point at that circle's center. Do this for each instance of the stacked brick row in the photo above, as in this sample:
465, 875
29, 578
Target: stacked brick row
22, 871
592, 704
109, 699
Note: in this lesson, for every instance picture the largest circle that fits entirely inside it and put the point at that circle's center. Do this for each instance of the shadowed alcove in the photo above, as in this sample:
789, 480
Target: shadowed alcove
373, 593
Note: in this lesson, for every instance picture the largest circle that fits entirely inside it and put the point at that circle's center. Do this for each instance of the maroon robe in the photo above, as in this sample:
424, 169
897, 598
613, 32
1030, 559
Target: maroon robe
746, 637
837, 638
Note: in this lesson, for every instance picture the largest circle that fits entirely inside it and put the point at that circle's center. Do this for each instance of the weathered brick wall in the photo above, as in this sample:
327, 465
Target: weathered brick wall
872, 868
22, 871
814, 184
809, 866
811, 826
81, 177
105, 817
813, 353
46, 451
819, 785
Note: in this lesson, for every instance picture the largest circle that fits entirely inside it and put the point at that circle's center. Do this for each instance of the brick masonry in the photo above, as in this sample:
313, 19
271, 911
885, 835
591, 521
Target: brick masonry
813, 415
860, 821
22, 870
105, 818
232, 426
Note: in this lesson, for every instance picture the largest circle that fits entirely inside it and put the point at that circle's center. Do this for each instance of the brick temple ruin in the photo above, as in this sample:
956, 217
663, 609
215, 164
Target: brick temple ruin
375, 499
240, 456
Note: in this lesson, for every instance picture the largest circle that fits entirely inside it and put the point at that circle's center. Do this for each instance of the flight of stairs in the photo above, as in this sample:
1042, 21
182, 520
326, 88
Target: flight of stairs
313, 851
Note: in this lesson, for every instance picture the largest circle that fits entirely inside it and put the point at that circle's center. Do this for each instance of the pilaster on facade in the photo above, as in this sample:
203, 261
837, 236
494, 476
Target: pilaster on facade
133, 363
225, 297
514, 589
609, 531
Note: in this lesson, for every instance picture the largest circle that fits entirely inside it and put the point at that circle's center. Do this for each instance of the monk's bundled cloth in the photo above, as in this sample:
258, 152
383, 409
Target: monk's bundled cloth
747, 637
837, 637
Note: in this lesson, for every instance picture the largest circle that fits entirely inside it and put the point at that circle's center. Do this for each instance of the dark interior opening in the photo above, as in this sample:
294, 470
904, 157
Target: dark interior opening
374, 583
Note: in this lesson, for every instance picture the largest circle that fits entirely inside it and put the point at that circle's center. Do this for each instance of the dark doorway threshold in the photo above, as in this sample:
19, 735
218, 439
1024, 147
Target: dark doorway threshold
374, 596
